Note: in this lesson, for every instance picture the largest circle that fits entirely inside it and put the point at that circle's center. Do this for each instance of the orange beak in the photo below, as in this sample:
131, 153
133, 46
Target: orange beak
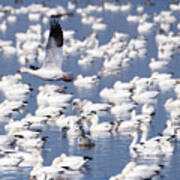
67, 78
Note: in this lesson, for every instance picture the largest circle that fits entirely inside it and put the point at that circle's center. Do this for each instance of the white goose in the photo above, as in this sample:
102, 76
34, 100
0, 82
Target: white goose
156, 146
73, 163
99, 127
52, 66
127, 169
144, 149
41, 172
133, 171
144, 172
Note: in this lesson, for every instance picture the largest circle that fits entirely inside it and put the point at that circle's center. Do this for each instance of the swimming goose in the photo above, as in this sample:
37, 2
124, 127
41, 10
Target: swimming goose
31, 144
40, 172
127, 169
127, 125
99, 127
86, 81
7, 141
166, 144
86, 107
8, 161
85, 141
133, 171
144, 172
73, 163
145, 148
148, 109
52, 66
29, 158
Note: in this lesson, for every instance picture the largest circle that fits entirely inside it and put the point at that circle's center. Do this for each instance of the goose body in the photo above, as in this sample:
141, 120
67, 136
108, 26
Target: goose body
144, 149
73, 163
41, 172
133, 171
9, 161
144, 172
156, 146
99, 127
29, 158
87, 81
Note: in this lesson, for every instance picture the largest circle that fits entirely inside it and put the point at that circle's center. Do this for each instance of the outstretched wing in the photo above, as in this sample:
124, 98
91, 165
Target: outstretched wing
54, 56
56, 33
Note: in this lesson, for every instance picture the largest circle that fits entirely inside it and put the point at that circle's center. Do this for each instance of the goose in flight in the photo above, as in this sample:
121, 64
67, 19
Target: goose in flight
51, 68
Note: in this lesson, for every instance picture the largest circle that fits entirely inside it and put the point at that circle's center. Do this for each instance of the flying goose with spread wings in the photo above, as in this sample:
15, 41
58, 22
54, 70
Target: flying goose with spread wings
51, 68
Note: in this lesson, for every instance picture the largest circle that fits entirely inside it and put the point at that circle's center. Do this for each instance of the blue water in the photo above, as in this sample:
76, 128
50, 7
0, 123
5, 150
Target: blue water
111, 153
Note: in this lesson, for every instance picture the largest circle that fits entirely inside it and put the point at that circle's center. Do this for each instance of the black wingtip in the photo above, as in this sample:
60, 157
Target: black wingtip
33, 67
88, 158
56, 32
161, 165
66, 167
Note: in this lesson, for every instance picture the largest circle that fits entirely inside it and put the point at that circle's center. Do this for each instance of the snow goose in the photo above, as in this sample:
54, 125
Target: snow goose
125, 126
133, 18
148, 109
111, 7
7, 141
145, 27
12, 19
26, 134
85, 141
87, 81
9, 161
169, 128
29, 158
144, 172
85, 60
143, 96
31, 144
99, 127
146, 118
150, 148
127, 169
3, 26
165, 143
123, 110
174, 7
34, 16
9, 50
64, 121
52, 96
99, 26
73, 130
89, 106
13, 126
34, 121
168, 84
86, 107
52, 65
115, 96
140, 9
172, 105
157, 65
49, 112
119, 85
133, 171
11, 109
125, 7
133, 145
77, 105
40, 172
73, 163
